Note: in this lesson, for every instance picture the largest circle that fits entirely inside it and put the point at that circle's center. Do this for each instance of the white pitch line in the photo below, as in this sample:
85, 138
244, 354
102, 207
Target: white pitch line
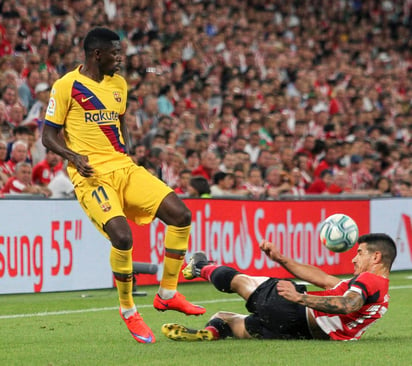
93, 310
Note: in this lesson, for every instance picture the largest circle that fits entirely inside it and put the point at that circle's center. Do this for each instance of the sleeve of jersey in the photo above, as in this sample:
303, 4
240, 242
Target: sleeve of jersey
124, 99
59, 103
361, 284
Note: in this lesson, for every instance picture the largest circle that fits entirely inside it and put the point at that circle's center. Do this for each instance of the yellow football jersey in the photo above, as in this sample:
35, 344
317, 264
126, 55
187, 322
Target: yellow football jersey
89, 113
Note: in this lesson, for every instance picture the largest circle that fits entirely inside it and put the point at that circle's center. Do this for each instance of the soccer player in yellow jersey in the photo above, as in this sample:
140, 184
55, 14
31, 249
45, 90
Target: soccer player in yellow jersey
88, 104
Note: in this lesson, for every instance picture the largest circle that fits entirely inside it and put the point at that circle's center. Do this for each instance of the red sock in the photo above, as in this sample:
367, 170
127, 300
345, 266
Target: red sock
214, 331
206, 271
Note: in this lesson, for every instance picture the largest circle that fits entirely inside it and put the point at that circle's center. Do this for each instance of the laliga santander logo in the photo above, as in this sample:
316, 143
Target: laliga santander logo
207, 236
233, 238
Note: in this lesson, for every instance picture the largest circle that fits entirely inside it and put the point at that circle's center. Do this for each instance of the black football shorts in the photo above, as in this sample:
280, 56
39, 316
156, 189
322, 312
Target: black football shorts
273, 317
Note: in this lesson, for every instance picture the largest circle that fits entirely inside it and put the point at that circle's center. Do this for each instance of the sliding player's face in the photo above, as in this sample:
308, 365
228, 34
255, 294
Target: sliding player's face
363, 260
111, 59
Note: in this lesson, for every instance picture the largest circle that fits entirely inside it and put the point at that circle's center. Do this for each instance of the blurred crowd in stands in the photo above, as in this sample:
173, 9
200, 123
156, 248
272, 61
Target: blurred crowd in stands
259, 98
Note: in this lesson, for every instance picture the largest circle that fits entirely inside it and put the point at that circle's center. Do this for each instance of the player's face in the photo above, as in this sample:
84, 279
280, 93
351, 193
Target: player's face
363, 259
111, 59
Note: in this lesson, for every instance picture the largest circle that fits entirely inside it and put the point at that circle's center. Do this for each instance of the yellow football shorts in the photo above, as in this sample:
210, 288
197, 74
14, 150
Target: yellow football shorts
132, 192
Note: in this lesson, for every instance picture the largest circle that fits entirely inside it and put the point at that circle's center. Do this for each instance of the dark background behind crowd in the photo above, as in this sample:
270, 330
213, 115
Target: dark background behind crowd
226, 98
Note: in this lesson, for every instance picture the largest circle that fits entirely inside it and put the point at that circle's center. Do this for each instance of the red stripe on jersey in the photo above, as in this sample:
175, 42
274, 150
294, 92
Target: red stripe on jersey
86, 98
352, 326
112, 133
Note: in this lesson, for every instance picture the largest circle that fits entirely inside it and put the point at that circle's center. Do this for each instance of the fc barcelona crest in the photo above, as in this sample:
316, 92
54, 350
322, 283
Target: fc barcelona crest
117, 96
105, 206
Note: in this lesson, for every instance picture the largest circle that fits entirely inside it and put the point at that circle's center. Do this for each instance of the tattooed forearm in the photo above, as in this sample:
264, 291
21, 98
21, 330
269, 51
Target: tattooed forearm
334, 304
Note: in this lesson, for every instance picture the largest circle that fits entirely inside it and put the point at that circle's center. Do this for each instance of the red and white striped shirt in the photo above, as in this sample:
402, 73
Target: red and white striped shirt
374, 291
13, 186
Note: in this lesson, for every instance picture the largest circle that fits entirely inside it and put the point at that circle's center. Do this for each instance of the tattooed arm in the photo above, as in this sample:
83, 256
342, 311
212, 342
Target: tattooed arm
348, 303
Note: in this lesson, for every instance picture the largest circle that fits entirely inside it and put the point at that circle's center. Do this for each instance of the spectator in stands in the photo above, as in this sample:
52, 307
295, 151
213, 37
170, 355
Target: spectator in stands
228, 163
6, 128
238, 78
9, 96
171, 170
199, 187
329, 162
403, 189
264, 160
208, 165
358, 175
60, 185
222, 184
154, 161
182, 187
239, 187
253, 146
192, 159
255, 184
18, 154
165, 100
277, 182
16, 114
46, 170
21, 182
20, 133
286, 159
324, 184
222, 146
239, 143
383, 186
27, 92
36, 112
138, 152
4, 172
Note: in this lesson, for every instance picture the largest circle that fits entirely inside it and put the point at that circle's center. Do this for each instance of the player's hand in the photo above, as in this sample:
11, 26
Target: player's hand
270, 250
287, 290
81, 163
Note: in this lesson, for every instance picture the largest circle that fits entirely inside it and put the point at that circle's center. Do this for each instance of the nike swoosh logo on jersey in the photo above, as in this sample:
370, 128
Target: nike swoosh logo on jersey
86, 99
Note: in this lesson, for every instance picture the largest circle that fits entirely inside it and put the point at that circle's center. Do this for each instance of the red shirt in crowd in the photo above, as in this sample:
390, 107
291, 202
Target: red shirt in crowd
43, 173
201, 170
13, 186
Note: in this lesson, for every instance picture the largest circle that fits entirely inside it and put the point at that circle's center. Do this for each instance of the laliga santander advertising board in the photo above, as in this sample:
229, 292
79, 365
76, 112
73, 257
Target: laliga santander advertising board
50, 246
230, 231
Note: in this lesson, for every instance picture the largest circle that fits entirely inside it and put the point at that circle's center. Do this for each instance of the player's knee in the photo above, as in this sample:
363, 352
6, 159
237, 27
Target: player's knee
186, 217
222, 278
122, 240
182, 217
174, 212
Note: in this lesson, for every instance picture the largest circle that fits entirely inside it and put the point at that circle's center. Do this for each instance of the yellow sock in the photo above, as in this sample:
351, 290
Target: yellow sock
176, 242
122, 267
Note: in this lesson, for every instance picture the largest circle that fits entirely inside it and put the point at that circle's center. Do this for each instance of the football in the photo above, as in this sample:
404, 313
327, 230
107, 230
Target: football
339, 233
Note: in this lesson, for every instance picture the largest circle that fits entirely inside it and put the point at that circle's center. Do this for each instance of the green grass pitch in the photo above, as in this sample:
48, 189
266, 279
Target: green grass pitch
84, 328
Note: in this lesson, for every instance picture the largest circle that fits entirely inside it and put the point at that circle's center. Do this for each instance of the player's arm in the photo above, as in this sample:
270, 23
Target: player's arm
305, 272
348, 303
125, 133
53, 140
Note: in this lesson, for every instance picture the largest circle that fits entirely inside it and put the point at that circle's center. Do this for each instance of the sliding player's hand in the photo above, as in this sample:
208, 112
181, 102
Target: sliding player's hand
81, 163
270, 250
287, 290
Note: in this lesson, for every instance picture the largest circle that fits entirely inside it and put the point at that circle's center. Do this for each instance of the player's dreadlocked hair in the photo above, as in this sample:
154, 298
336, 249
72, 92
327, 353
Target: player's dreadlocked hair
99, 38
382, 243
